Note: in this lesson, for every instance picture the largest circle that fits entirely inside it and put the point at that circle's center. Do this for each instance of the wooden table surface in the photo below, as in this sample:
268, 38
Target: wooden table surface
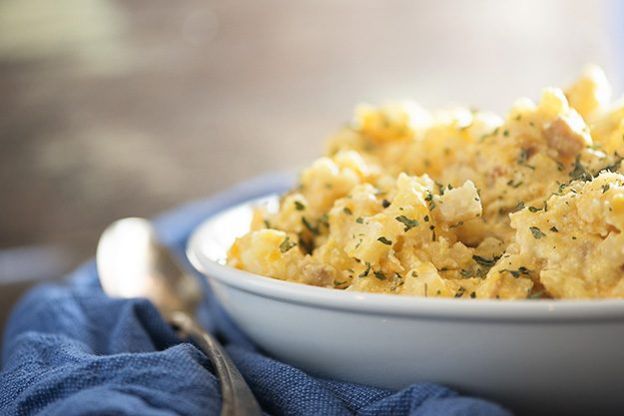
117, 108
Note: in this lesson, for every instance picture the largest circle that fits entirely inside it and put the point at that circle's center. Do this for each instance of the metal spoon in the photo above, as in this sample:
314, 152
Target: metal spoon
132, 263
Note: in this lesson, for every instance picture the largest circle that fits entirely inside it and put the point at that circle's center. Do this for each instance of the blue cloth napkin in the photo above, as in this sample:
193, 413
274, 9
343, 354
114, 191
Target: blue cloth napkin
71, 350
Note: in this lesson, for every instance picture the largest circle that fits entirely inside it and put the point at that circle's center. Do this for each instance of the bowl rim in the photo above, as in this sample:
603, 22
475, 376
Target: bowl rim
543, 310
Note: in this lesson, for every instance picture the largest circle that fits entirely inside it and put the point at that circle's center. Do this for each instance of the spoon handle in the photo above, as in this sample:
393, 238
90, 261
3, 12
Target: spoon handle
237, 398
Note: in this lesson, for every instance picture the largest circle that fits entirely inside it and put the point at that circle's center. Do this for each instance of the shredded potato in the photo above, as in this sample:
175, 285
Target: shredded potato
459, 203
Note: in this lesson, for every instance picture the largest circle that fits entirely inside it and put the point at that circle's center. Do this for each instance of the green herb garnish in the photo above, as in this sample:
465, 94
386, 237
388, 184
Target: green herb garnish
379, 275
485, 262
518, 207
367, 271
384, 240
324, 219
516, 273
409, 223
429, 198
580, 172
306, 223
287, 245
537, 233
466, 273
523, 158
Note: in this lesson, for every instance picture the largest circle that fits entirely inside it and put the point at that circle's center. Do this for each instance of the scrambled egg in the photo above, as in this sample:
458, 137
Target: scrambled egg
459, 203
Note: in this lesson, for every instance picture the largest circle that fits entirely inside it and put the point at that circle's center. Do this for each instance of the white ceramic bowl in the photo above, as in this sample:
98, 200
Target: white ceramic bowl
536, 356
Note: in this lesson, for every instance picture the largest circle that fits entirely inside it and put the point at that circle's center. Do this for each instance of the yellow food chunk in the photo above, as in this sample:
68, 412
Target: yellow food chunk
460, 204
591, 93
576, 247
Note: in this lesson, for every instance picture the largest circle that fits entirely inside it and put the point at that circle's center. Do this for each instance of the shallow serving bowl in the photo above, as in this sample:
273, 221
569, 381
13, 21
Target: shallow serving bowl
534, 356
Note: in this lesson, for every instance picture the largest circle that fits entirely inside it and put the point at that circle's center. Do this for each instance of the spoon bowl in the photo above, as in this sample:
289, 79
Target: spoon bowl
132, 263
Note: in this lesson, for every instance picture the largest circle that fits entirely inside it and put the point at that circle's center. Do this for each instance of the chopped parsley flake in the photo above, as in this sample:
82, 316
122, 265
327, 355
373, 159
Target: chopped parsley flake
516, 273
379, 275
367, 271
299, 206
287, 245
306, 223
324, 220
537, 233
440, 188
466, 273
384, 240
524, 155
518, 207
359, 220
485, 262
409, 223
580, 172
554, 229
523, 158
347, 211
429, 198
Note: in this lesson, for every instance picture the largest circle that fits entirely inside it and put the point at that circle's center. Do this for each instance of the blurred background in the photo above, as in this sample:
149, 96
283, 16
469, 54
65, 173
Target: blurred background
112, 108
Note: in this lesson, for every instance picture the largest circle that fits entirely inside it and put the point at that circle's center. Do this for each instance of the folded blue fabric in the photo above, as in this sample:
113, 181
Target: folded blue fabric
71, 350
